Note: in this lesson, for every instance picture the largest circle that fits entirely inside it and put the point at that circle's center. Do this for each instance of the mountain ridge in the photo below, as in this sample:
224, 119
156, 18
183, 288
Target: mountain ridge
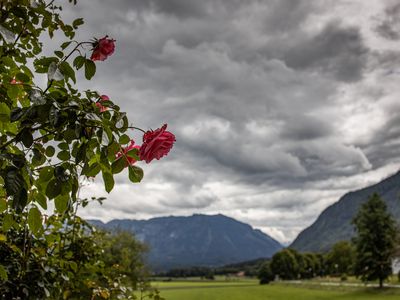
334, 222
197, 240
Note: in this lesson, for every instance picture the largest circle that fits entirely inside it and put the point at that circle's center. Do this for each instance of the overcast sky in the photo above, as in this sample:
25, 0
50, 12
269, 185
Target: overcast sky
279, 107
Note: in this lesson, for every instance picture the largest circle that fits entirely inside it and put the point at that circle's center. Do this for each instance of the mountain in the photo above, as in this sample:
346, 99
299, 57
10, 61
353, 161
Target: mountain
334, 223
198, 240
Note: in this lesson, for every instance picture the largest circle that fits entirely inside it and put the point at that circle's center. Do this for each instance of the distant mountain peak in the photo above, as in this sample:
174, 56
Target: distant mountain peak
197, 240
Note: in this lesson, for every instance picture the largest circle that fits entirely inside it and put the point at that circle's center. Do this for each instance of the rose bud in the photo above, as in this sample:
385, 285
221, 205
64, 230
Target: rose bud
102, 99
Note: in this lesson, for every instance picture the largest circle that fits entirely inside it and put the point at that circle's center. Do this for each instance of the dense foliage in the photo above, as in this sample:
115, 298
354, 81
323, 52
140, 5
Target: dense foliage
51, 137
340, 259
375, 241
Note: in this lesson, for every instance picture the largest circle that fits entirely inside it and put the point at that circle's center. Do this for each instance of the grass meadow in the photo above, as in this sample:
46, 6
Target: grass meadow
251, 290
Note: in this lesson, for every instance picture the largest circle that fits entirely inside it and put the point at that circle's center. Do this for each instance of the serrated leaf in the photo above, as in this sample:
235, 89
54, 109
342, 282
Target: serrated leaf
90, 69
135, 174
108, 181
34, 220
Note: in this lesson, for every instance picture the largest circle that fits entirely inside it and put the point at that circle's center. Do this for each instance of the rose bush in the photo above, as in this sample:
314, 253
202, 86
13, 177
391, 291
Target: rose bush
52, 138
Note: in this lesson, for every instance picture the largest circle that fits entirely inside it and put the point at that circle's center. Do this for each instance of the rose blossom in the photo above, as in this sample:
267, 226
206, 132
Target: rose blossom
156, 144
102, 99
102, 49
129, 160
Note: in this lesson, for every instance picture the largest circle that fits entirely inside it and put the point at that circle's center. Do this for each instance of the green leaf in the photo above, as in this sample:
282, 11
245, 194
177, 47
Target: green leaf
39, 198
13, 182
124, 139
77, 22
26, 137
8, 222
46, 174
60, 54
135, 174
81, 154
50, 151
64, 155
61, 203
35, 220
90, 69
91, 171
3, 205
4, 112
23, 77
67, 71
133, 153
79, 61
108, 181
20, 200
65, 45
118, 165
63, 146
3, 274
53, 189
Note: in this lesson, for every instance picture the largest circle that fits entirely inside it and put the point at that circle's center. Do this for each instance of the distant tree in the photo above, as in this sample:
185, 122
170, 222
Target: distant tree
311, 265
375, 241
284, 264
340, 260
265, 274
126, 255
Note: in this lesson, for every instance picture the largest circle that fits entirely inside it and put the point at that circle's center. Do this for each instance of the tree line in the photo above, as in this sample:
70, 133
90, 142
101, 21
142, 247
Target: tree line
368, 256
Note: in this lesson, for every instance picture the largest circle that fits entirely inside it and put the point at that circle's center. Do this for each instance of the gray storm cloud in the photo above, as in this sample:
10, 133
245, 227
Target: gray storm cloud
276, 105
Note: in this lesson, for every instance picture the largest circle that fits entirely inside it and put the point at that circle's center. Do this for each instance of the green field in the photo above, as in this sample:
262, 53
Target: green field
251, 290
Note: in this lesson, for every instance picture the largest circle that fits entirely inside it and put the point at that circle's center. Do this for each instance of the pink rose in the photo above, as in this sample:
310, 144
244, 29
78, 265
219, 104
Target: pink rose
156, 144
102, 49
129, 160
102, 99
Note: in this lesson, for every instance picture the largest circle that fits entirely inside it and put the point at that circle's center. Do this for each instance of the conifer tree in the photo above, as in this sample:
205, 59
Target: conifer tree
375, 241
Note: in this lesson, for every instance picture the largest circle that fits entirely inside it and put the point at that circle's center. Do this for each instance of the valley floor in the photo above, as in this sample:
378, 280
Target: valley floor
251, 290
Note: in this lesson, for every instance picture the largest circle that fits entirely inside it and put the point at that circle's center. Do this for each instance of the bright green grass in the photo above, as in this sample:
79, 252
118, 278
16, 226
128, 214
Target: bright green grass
250, 290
